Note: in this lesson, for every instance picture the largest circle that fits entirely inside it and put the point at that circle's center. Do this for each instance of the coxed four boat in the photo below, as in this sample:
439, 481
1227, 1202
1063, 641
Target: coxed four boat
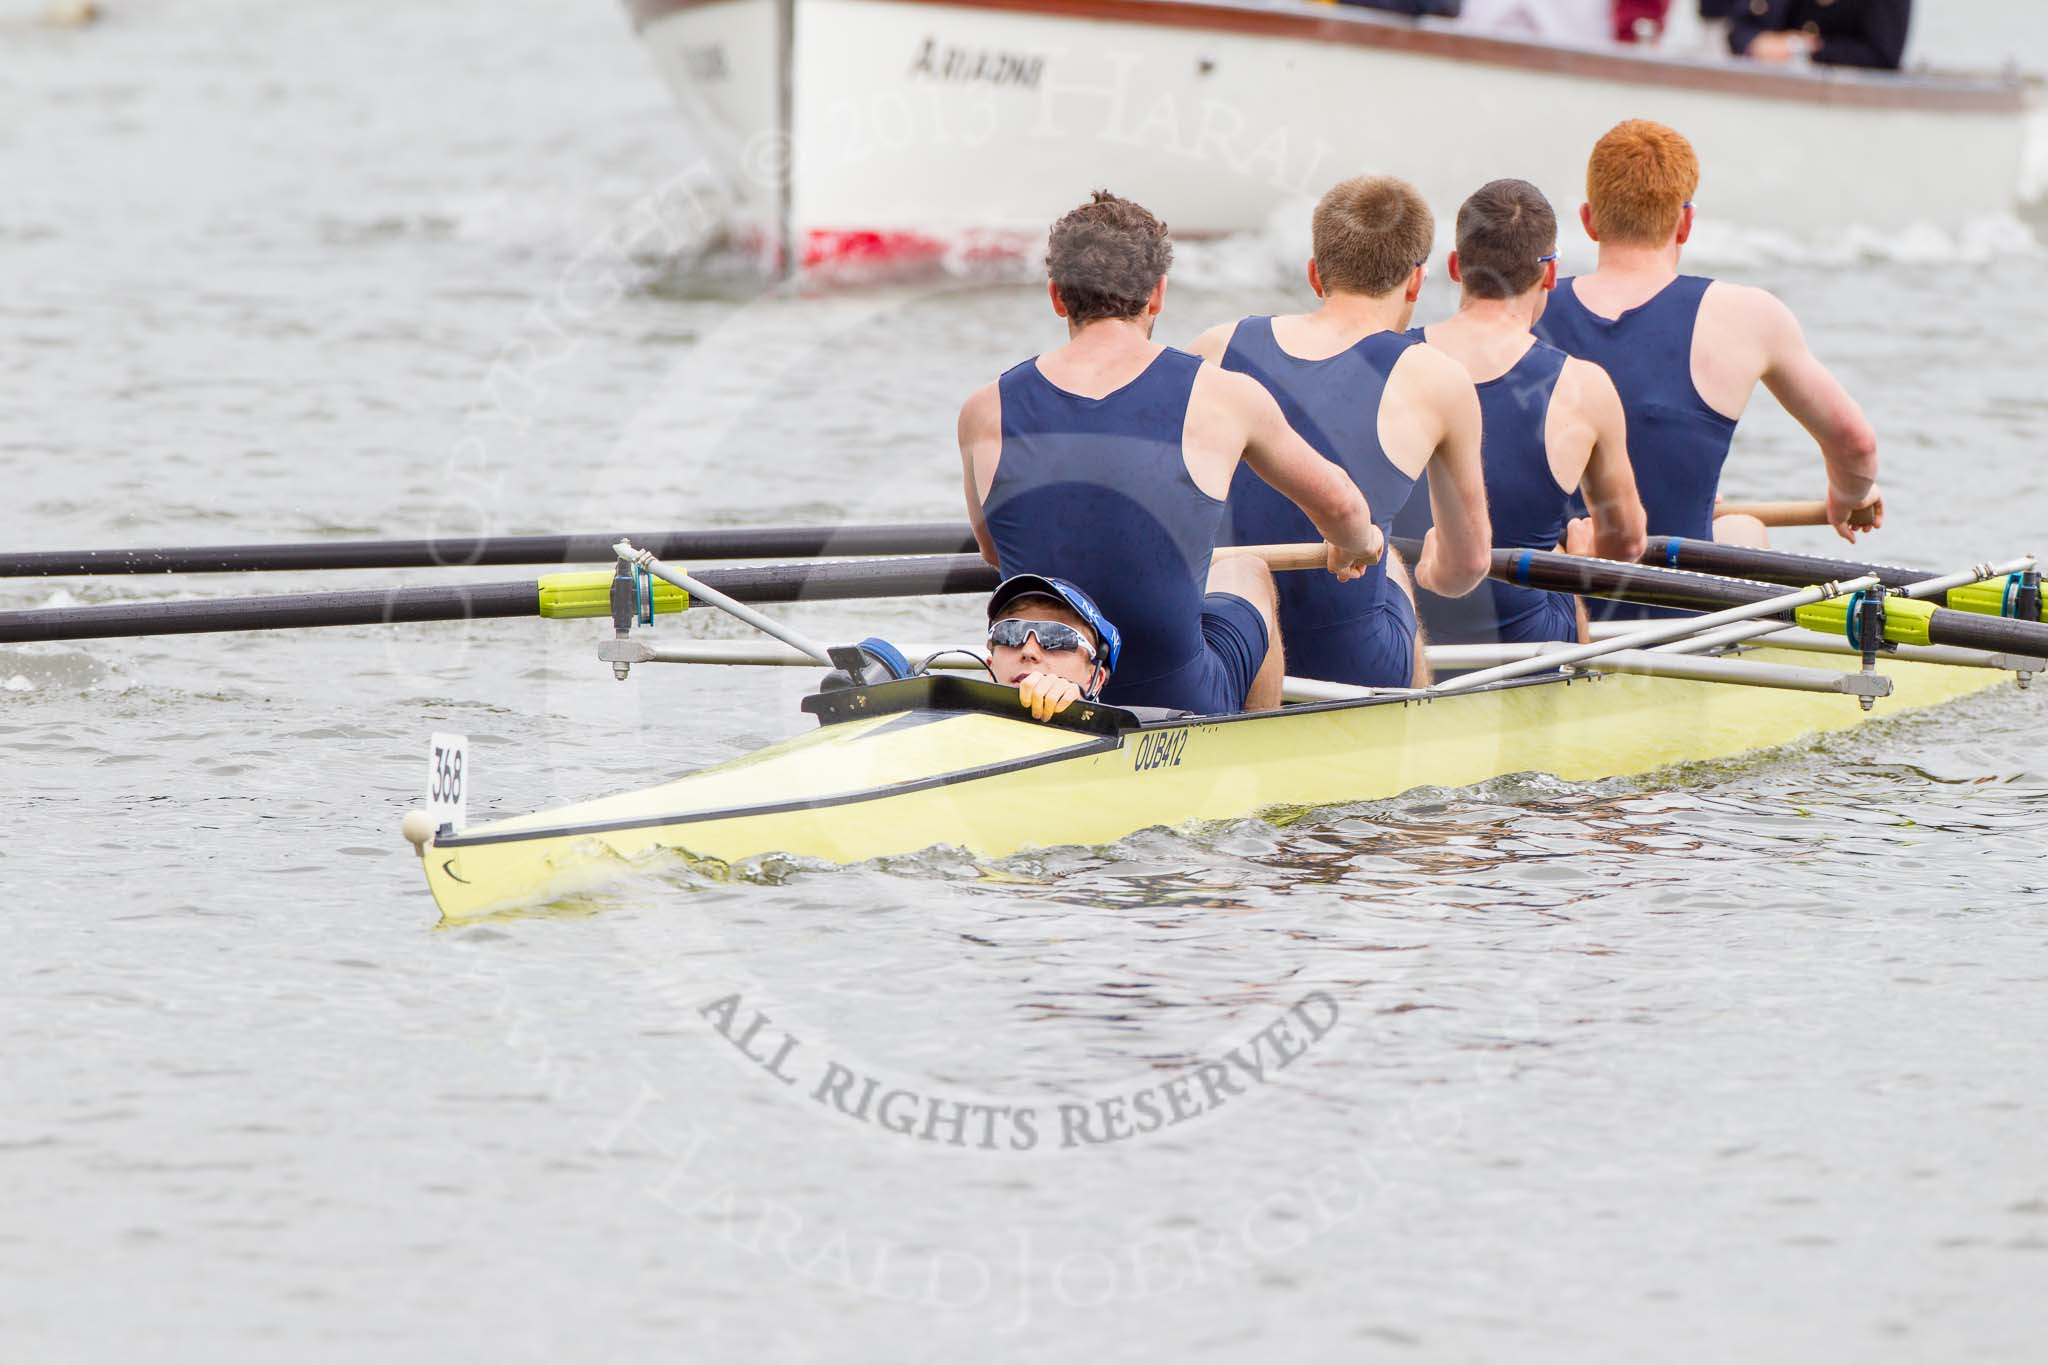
900, 766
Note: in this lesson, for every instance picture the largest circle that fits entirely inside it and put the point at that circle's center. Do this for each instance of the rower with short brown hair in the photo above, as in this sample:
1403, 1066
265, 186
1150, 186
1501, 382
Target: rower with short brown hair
1378, 405
1687, 352
1371, 233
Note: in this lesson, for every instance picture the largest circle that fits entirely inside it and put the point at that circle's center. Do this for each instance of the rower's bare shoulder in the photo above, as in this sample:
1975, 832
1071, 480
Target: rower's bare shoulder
1231, 391
1213, 344
981, 435
1423, 363
1753, 310
981, 414
1436, 378
1587, 386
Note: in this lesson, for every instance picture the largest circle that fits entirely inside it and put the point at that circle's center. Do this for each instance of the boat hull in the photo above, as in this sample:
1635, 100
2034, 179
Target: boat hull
932, 127
994, 785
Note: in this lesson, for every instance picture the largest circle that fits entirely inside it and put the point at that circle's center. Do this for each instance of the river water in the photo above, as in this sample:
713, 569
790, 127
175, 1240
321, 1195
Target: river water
1742, 1062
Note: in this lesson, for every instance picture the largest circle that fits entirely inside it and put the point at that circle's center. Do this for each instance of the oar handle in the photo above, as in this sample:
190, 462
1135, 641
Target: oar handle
1284, 558
1790, 513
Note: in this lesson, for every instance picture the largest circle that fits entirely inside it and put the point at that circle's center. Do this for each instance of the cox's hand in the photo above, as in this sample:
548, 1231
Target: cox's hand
1045, 695
1351, 563
1851, 518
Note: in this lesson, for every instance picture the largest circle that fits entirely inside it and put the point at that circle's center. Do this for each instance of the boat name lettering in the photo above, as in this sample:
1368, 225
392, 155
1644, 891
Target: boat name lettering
706, 63
944, 62
1159, 749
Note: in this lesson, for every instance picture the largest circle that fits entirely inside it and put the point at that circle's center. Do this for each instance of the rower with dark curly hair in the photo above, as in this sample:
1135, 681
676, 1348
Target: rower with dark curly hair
1105, 462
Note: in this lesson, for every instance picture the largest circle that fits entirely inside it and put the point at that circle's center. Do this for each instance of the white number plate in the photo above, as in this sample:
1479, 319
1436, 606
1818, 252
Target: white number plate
448, 780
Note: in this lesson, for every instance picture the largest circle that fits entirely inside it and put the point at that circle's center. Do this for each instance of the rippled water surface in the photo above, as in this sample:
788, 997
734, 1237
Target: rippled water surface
1742, 1062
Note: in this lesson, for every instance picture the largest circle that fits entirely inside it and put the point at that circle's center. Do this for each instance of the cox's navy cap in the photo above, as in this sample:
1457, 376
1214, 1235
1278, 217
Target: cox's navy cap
1059, 589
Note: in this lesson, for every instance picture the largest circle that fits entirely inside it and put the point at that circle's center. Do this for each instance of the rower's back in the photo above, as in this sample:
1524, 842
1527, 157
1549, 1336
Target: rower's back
1551, 423
1099, 489
1680, 442
1686, 352
1334, 631
1525, 502
1637, 318
1105, 462
1377, 406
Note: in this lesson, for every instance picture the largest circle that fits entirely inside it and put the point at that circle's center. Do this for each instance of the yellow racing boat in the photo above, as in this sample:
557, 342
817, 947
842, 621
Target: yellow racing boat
949, 761
903, 763
903, 759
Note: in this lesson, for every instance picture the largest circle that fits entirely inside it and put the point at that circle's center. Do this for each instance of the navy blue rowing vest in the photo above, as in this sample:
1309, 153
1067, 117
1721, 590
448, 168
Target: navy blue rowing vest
1676, 442
1097, 491
1335, 406
1527, 508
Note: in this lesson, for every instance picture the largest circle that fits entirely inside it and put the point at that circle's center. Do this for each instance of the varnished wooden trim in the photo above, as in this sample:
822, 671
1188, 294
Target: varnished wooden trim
1364, 28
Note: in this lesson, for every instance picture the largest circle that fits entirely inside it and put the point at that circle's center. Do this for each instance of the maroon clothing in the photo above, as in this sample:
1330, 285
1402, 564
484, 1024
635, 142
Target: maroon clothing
1627, 13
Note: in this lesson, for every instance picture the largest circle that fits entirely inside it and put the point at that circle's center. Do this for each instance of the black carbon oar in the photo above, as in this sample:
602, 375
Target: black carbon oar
1999, 595
774, 542
1769, 566
580, 595
558, 596
1909, 622
1644, 584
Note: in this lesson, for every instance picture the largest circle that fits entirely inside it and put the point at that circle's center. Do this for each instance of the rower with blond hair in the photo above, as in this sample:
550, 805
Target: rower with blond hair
1382, 407
1686, 352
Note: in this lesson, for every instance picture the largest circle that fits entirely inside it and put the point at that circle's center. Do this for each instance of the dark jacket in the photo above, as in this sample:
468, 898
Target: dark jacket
1852, 32
1447, 9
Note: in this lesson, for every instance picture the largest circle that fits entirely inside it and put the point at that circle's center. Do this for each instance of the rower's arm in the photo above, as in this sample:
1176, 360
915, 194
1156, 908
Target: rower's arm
1620, 526
1321, 489
981, 445
1818, 402
1458, 550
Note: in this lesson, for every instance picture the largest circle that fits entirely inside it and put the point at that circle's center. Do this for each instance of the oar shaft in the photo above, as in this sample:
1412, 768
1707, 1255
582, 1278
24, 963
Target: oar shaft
1999, 634
815, 582
1922, 590
1689, 591
1555, 572
372, 607
1769, 566
775, 542
851, 580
